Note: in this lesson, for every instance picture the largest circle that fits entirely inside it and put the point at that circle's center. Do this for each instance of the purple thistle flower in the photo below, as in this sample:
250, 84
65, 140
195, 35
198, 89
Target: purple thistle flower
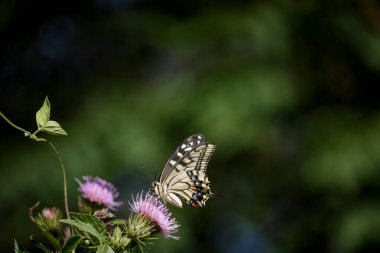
99, 191
157, 212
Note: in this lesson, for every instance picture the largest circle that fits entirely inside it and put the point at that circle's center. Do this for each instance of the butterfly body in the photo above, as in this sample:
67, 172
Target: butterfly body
184, 175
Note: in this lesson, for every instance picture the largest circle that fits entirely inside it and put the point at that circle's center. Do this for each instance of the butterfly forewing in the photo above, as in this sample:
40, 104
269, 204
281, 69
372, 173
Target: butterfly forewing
200, 161
180, 155
196, 166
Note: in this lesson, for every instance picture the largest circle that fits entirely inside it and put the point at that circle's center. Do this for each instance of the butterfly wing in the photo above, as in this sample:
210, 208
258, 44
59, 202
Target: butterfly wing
191, 183
185, 172
178, 158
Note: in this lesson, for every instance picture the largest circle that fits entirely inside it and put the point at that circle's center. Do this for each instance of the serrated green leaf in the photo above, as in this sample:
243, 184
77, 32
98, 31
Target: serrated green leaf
54, 242
90, 219
105, 248
53, 127
71, 244
19, 249
87, 228
43, 114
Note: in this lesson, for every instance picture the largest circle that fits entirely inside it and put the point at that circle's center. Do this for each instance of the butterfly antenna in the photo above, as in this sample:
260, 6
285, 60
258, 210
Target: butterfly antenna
143, 171
216, 195
147, 175
149, 186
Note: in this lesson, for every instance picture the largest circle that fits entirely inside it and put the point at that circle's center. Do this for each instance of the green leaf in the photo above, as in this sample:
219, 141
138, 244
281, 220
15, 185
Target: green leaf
53, 127
19, 249
87, 228
105, 248
54, 242
43, 114
71, 244
90, 219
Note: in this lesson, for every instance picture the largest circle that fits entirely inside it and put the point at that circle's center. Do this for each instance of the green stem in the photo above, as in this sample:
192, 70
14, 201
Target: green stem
34, 137
39, 129
64, 180
14, 125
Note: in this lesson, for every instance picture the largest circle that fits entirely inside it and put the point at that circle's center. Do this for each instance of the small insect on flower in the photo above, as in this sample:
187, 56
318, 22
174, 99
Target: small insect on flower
100, 192
150, 207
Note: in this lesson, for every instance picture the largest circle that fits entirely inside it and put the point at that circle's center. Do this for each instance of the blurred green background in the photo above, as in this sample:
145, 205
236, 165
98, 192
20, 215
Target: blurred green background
287, 90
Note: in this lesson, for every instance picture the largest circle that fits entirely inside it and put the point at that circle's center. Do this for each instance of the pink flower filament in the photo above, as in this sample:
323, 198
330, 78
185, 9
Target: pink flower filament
99, 191
157, 212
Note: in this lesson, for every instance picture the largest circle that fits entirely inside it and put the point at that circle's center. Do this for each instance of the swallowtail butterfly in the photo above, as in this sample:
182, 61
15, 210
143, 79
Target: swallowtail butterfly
184, 174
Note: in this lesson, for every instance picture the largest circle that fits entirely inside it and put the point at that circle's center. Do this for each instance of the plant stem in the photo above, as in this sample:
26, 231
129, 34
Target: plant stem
34, 137
13, 124
39, 129
64, 180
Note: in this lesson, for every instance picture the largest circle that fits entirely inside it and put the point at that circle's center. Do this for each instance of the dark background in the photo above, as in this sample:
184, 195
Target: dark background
287, 90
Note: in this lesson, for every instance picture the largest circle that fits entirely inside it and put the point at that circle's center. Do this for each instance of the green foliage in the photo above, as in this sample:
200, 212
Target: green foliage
118, 241
45, 124
43, 114
96, 223
54, 241
105, 249
43, 248
18, 249
53, 127
88, 229
85, 230
71, 244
